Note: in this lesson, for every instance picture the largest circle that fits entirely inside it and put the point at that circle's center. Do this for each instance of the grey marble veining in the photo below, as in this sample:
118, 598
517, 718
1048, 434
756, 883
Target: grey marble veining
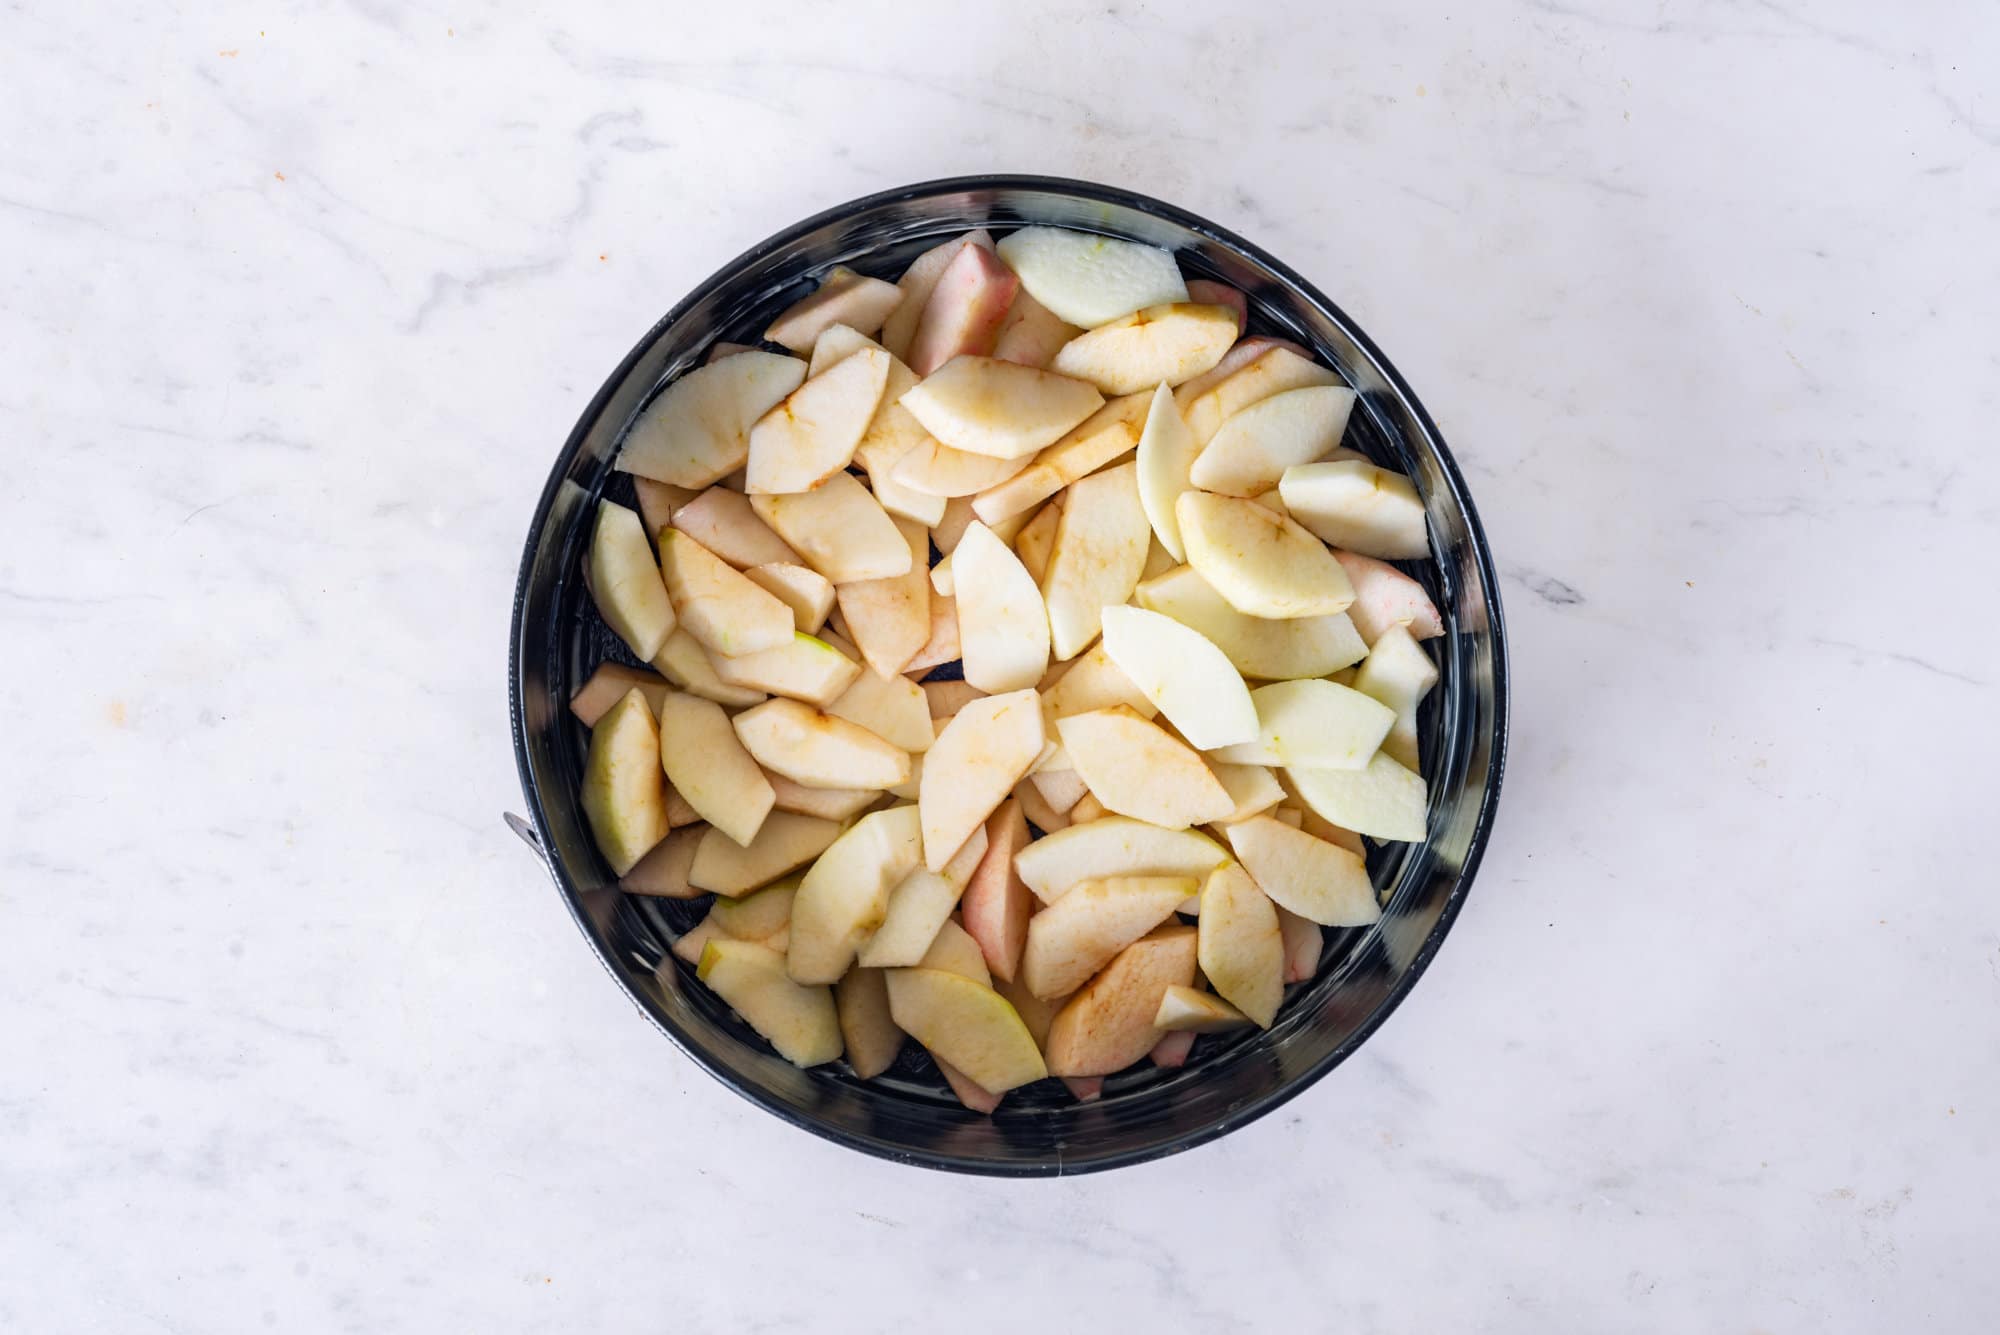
299, 302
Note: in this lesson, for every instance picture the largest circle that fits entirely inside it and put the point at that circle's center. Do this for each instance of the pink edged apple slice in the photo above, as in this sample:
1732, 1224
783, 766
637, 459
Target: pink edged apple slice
997, 903
1384, 596
964, 310
917, 282
843, 297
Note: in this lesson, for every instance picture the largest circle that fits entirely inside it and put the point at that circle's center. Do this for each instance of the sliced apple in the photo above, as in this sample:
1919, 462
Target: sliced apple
722, 521
843, 898
910, 788
842, 297
893, 708
1315, 724
624, 797
813, 433
1277, 369
867, 1030
917, 283
980, 755
1087, 808
891, 618
918, 908
967, 1090
1168, 343
625, 581
1003, 624
937, 469
954, 951
1263, 564
1032, 334
1137, 769
1309, 876
799, 1021
1356, 505
697, 431
691, 943
1198, 1012
1253, 788
1167, 450
1246, 351
1384, 596
1100, 550
1383, 800
658, 501
1062, 789
1113, 846
1037, 540
1109, 1024
1183, 674
1037, 810
708, 767
1400, 674
686, 664
835, 344
1221, 294
1303, 942
784, 842
1077, 935
609, 684
1100, 439
1091, 280
964, 311
762, 915
1252, 450
942, 646
999, 409
1272, 650
966, 1024
806, 592
723, 610
948, 697
1094, 681
663, 872
997, 903
1171, 1052
806, 668
836, 804
1241, 945
818, 750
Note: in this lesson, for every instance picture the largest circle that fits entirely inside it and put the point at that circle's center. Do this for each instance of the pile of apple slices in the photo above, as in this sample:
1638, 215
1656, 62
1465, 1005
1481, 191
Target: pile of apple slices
1190, 674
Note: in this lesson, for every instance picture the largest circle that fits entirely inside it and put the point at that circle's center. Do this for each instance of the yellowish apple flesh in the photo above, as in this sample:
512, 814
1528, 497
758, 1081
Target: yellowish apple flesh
1160, 344
710, 768
624, 797
818, 750
844, 896
719, 607
1138, 769
1077, 935
697, 431
1241, 946
977, 759
799, 1021
1109, 1024
970, 1026
625, 581
1311, 877
784, 842
1113, 846
1263, 564
1100, 549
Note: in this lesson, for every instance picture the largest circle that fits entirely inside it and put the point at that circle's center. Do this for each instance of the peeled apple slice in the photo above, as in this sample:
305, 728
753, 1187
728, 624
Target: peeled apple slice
1251, 451
698, 430
1170, 344
624, 793
799, 1021
1091, 280
1356, 505
1262, 563
1167, 450
985, 406
625, 581
1184, 674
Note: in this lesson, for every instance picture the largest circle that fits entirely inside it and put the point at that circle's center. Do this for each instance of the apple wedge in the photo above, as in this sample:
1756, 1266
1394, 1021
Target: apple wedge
840, 530
1383, 800
686, 664
1003, 624
1037, 810
762, 915
1255, 647
954, 951
948, 697
1303, 942
890, 618
936, 469
1087, 808
624, 797
625, 581
1000, 409
697, 430
1062, 789
917, 283
722, 521
1099, 439
834, 804
967, 1090
964, 311
1109, 1024
1263, 564
1032, 334
1113, 846
835, 344
691, 943
1241, 945
1100, 550
1094, 681
1198, 1012
918, 907
1252, 450
658, 501
663, 873
843, 898
1212, 293
1138, 769
893, 708
970, 1026
817, 749
1169, 343
984, 751
1181, 672
867, 1030
1091, 280
723, 610
1309, 876
1314, 724
1253, 788
1400, 674
1384, 596
1357, 506
1167, 450
799, 1021
842, 297
609, 684
806, 592
706, 765
997, 903
1077, 935
1276, 369
783, 843
1171, 1052
1036, 541
805, 668
812, 434
942, 646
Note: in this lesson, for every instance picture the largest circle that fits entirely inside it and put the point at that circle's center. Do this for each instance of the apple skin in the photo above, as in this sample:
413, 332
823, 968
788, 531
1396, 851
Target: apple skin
997, 903
964, 311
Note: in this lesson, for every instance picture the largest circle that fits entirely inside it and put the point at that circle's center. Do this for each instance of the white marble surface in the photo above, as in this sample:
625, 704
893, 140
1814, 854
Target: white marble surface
299, 301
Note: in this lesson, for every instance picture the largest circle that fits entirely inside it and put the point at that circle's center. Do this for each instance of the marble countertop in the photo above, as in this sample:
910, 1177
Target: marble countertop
299, 302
